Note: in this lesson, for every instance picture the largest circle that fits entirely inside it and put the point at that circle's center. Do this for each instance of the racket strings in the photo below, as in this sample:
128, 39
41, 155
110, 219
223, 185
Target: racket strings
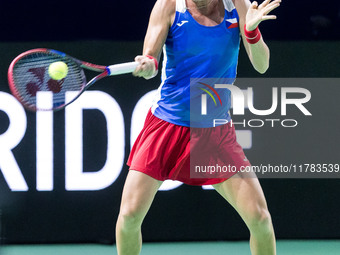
30, 75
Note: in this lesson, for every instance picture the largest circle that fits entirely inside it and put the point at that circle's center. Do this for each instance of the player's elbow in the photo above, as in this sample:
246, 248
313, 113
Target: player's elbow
260, 61
262, 68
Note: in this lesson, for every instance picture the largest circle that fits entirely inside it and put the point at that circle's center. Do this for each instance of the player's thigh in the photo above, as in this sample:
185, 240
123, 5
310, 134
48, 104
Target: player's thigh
138, 194
243, 191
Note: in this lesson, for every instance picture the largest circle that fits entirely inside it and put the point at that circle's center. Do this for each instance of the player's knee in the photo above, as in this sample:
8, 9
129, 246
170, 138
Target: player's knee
130, 218
260, 221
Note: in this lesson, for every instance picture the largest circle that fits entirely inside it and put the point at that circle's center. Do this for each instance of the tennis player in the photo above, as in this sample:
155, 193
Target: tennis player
201, 40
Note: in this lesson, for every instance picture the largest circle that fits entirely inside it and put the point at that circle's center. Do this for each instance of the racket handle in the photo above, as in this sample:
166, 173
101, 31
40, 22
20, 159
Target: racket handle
122, 68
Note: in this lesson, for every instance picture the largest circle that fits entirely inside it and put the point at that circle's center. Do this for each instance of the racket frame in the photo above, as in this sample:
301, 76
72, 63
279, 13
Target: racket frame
105, 71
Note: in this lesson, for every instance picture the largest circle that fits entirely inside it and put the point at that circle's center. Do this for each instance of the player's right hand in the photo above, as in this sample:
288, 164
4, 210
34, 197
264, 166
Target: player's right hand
146, 67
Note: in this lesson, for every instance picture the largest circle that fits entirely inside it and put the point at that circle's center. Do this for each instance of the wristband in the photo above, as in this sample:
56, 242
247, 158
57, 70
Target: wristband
154, 60
253, 36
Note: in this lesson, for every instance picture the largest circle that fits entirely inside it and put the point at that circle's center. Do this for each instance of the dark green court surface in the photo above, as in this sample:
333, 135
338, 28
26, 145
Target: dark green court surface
187, 248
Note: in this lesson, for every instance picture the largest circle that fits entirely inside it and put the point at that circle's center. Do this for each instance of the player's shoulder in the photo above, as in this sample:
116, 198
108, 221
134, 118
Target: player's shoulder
166, 7
241, 3
171, 2
241, 7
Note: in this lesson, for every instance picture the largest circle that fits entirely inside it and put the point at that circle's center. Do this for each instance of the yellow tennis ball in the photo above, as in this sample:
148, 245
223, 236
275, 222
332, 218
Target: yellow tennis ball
58, 70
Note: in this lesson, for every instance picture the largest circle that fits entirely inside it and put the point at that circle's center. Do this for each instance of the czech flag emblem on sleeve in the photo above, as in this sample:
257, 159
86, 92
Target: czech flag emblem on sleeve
232, 23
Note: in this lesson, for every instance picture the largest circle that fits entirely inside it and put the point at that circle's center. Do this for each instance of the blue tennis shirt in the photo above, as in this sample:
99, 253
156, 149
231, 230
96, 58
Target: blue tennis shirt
193, 55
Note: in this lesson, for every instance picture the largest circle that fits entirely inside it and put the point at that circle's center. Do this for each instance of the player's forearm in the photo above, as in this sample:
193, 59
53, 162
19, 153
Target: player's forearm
251, 15
259, 56
155, 37
160, 21
154, 42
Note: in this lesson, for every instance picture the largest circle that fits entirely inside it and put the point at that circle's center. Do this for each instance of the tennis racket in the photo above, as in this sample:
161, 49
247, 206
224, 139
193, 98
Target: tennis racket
28, 75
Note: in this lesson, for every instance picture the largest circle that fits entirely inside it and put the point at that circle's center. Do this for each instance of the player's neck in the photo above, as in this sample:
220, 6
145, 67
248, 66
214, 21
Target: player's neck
203, 6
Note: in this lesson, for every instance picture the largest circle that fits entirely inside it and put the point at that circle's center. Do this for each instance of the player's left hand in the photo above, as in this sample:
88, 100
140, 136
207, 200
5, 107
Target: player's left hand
258, 13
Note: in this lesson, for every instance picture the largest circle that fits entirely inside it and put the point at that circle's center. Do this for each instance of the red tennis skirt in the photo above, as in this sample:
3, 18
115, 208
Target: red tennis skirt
194, 156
